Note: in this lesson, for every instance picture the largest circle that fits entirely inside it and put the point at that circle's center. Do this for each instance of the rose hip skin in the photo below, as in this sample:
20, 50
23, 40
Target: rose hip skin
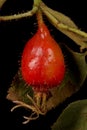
42, 63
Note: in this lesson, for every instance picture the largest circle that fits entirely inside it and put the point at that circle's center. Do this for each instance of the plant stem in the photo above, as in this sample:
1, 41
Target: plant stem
22, 15
36, 2
39, 17
18, 16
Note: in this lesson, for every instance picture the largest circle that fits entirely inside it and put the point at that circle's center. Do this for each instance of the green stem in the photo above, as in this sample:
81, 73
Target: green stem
77, 31
22, 15
36, 2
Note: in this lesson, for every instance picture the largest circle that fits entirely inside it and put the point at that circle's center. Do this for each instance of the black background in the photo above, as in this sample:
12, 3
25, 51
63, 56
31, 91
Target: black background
13, 36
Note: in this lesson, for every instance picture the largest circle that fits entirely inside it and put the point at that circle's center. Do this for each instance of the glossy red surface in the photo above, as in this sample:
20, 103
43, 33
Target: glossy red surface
42, 61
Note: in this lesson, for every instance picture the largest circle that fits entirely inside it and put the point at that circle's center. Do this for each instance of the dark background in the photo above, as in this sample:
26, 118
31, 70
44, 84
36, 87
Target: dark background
13, 36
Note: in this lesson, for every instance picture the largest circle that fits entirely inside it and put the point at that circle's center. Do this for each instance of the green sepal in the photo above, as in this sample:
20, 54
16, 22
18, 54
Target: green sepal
19, 90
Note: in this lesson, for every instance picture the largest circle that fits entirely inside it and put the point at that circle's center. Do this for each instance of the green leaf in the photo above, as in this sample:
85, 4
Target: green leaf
64, 24
80, 69
76, 73
19, 90
74, 117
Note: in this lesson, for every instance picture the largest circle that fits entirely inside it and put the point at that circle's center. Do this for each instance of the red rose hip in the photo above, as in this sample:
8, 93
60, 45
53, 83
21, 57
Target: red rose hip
42, 63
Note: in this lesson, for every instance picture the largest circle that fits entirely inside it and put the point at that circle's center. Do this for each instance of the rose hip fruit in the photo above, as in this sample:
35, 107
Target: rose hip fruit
42, 63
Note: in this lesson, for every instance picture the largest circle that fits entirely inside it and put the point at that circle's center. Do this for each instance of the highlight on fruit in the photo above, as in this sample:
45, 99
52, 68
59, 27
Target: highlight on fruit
42, 68
42, 65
